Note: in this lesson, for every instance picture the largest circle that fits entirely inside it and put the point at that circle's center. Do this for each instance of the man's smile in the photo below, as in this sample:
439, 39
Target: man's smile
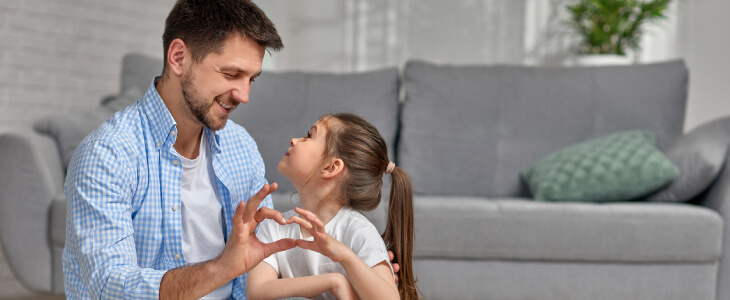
227, 107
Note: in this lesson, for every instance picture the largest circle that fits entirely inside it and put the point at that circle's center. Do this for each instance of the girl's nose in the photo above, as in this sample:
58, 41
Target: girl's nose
293, 142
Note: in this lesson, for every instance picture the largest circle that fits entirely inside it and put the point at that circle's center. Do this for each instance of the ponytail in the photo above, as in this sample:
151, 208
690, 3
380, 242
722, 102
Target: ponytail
398, 235
362, 148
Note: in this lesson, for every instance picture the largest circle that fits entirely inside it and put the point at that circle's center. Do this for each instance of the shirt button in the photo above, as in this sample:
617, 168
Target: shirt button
159, 144
176, 162
177, 256
174, 207
172, 132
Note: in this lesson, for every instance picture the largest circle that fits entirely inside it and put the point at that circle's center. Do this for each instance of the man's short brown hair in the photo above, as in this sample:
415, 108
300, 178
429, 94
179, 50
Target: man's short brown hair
204, 25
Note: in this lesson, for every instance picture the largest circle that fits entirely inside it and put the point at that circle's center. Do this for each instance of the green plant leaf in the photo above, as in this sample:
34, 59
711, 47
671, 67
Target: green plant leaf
612, 26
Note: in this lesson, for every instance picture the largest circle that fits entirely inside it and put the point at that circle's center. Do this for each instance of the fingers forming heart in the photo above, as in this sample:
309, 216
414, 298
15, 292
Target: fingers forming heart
300, 221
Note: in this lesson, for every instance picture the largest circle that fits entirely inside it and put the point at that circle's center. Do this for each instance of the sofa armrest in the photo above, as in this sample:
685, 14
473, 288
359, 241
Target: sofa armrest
718, 199
700, 156
31, 174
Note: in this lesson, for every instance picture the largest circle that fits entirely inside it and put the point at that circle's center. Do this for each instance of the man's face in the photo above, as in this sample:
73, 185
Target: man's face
213, 87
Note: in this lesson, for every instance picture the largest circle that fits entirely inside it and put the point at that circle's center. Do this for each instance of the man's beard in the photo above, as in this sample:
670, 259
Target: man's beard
198, 107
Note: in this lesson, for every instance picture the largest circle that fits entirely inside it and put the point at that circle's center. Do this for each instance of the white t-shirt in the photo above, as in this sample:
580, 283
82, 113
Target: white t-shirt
349, 227
201, 213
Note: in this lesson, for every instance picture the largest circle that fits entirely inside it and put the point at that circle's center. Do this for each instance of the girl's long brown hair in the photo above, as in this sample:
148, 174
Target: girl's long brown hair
365, 154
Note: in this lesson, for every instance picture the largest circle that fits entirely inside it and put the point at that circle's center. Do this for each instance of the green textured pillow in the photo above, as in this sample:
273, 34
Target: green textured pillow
617, 167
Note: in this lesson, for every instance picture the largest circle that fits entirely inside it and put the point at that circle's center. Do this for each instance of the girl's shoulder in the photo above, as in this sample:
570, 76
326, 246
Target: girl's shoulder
353, 221
353, 216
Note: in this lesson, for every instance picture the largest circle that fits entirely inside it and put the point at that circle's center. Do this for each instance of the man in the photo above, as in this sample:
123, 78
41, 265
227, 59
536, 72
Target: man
157, 195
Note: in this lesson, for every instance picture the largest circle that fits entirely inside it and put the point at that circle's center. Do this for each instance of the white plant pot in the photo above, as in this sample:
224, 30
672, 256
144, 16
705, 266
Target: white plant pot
595, 60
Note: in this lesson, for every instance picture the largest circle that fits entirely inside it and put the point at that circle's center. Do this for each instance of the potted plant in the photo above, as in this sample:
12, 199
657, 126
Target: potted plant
609, 28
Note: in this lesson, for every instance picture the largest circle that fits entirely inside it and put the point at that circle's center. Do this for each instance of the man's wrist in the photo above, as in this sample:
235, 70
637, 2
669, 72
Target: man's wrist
218, 270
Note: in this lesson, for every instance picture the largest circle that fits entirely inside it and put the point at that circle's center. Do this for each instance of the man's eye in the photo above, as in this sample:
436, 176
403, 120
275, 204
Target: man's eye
229, 75
252, 79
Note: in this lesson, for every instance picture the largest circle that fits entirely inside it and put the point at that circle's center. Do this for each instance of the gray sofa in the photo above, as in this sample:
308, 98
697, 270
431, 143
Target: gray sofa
463, 133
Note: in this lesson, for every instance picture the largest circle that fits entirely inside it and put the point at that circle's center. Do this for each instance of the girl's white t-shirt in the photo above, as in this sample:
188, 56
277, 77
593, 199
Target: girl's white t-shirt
201, 214
349, 227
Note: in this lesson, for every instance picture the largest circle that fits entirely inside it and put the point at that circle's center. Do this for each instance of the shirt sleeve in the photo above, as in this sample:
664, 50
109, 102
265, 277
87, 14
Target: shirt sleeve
99, 188
369, 246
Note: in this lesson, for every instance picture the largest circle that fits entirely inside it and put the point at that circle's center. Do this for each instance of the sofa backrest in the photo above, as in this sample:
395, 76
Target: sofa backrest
284, 105
469, 130
138, 70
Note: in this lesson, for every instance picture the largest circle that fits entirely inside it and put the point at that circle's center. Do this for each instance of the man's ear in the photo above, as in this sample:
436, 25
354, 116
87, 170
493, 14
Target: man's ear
334, 168
176, 56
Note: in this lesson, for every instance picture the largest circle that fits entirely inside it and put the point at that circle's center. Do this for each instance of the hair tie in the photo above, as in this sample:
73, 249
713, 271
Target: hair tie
389, 169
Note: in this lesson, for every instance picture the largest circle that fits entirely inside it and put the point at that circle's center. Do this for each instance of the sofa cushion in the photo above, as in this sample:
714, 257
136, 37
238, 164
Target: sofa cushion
69, 129
700, 156
521, 229
617, 167
126, 98
284, 105
138, 70
58, 221
469, 130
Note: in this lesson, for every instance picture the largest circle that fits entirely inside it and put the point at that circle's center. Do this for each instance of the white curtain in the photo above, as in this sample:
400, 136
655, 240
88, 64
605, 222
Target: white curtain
360, 35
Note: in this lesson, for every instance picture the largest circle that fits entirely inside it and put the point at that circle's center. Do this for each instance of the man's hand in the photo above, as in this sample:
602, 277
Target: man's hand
244, 251
396, 267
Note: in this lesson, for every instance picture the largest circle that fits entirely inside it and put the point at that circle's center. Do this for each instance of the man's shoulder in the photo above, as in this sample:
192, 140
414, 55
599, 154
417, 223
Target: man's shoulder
236, 140
122, 132
235, 132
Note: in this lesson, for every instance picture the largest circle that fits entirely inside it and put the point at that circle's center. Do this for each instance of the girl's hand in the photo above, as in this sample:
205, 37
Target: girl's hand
323, 242
342, 289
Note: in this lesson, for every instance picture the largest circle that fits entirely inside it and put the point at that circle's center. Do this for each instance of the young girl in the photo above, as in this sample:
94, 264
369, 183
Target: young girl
337, 169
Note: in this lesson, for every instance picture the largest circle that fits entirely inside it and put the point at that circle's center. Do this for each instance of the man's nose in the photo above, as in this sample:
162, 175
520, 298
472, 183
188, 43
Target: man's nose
241, 94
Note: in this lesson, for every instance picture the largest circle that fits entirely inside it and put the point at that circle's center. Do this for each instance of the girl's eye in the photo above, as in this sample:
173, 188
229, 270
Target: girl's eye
308, 135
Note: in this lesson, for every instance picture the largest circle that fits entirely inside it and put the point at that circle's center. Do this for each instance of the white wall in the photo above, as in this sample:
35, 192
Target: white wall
62, 56
708, 57
360, 35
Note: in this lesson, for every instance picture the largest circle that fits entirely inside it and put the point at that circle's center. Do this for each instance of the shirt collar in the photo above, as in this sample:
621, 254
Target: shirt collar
213, 139
162, 124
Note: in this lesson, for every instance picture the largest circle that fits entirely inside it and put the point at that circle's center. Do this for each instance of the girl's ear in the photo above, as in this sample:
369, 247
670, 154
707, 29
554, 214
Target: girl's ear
334, 168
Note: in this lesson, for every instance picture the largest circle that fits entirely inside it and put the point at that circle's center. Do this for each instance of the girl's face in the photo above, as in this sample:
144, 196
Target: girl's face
303, 159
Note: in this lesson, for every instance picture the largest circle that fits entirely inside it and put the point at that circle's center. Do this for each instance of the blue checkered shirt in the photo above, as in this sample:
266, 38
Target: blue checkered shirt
123, 228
